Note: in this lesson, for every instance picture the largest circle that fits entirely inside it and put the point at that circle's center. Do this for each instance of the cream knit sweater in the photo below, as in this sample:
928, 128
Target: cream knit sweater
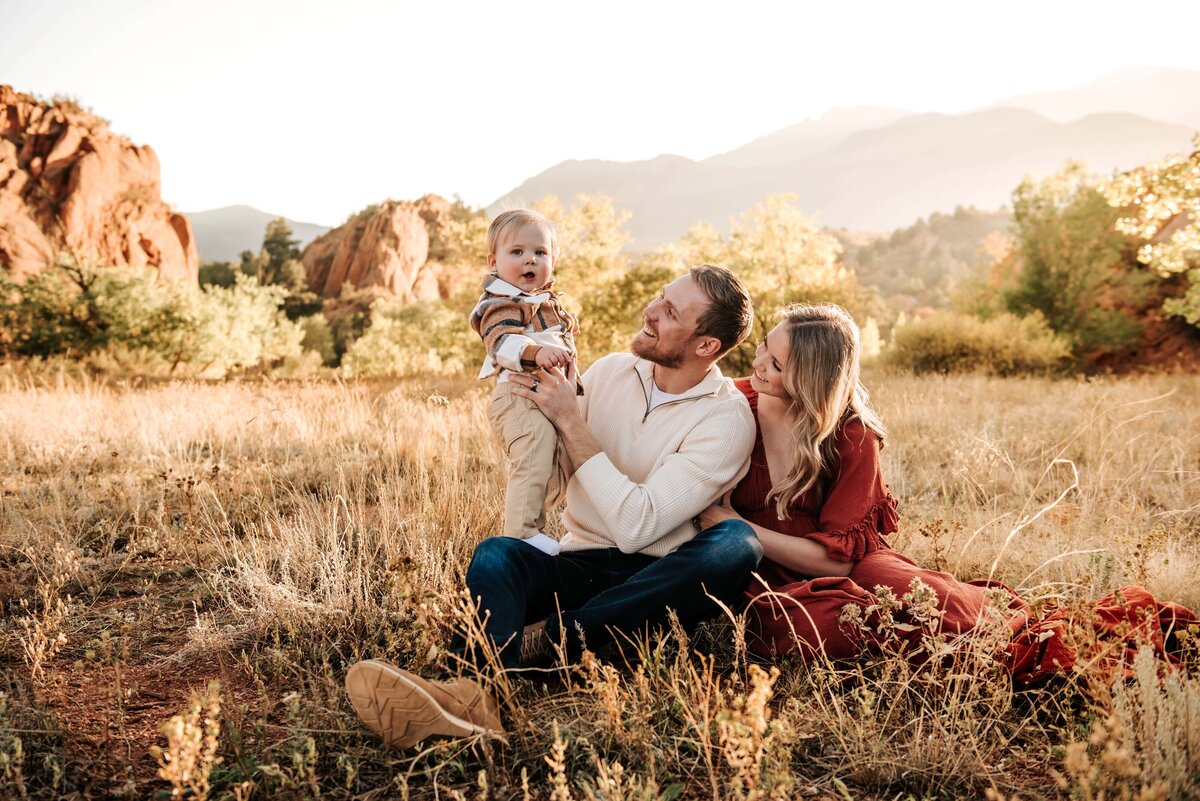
658, 469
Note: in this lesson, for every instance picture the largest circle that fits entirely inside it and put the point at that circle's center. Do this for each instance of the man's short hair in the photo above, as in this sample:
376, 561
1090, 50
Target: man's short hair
730, 313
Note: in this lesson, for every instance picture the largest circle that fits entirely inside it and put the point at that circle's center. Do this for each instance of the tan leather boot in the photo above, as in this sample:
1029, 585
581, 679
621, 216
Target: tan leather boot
405, 709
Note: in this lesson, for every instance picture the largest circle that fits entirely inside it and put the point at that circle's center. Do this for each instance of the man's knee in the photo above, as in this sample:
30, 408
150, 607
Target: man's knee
731, 544
497, 555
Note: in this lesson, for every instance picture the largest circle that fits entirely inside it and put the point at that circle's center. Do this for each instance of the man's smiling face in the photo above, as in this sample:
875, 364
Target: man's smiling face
669, 323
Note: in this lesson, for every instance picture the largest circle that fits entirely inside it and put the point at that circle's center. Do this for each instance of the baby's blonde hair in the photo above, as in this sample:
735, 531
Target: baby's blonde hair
507, 222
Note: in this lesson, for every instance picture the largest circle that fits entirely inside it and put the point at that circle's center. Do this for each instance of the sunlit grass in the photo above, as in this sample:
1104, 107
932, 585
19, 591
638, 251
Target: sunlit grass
269, 534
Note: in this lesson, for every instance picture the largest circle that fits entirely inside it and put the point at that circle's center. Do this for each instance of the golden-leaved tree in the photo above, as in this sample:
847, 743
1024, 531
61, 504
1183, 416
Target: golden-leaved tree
1161, 204
591, 234
781, 254
593, 271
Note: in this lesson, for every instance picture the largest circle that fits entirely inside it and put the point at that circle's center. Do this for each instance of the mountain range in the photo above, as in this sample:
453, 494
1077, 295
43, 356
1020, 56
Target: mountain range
862, 169
876, 169
874, 180
222, 234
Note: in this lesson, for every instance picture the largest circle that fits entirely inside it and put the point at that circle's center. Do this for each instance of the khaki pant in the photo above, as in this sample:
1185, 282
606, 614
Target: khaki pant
537, 479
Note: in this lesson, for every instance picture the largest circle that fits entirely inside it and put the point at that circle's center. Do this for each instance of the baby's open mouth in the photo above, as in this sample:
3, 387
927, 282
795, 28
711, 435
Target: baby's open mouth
527, 276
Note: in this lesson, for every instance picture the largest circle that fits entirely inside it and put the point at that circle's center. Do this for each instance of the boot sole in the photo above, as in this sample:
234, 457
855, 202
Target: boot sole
394, 706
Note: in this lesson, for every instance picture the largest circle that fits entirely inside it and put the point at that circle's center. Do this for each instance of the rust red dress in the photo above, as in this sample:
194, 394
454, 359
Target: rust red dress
791, 614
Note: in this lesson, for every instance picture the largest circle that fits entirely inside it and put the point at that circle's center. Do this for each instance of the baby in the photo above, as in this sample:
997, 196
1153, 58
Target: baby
524, 328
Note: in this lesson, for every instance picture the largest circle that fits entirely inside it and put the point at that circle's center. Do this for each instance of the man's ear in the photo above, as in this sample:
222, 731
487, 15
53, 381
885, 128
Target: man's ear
708, 347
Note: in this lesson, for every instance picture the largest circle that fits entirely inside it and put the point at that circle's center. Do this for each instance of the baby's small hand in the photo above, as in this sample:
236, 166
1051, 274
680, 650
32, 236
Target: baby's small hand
553, 356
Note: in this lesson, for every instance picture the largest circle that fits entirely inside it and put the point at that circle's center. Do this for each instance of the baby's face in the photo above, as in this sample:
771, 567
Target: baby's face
524, 258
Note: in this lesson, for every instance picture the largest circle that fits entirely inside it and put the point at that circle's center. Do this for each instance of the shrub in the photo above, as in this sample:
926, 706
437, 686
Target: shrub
419, 339
349, 314
318, 337
946, 342
74, 308
115, 317
237, 328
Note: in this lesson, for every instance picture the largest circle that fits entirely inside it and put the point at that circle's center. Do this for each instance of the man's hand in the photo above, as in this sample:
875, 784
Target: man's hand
552, 356
552, 389
717, 513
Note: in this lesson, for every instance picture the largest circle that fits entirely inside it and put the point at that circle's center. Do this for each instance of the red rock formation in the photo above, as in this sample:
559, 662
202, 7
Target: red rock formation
68, 183
384, 246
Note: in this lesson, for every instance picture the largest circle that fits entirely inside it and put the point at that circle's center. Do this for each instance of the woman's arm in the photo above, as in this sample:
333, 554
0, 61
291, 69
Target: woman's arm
797, 554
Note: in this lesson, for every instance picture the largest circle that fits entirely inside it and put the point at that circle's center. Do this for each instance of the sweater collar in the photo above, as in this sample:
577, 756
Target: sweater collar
709, 385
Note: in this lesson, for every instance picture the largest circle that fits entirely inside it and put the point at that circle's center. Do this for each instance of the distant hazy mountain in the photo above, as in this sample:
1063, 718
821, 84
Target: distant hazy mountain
1169, 95
873, 179
808, 137
222, 234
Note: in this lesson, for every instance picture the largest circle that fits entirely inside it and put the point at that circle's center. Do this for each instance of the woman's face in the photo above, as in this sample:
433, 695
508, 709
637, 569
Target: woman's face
769, 362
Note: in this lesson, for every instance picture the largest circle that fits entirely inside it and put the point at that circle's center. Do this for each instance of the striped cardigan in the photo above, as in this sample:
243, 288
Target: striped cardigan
515, 325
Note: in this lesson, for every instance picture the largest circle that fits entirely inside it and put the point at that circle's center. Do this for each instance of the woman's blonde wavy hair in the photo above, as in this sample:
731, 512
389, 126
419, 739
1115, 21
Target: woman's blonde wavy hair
822, 378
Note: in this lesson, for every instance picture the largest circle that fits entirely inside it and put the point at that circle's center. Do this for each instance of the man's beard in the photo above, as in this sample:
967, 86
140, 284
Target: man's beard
644, 350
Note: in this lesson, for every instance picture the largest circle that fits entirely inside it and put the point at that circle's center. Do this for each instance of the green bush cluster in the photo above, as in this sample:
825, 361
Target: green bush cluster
949, 342
418, 339
124, 320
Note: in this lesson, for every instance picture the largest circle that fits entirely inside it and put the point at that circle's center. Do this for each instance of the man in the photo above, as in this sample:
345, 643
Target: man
658, 436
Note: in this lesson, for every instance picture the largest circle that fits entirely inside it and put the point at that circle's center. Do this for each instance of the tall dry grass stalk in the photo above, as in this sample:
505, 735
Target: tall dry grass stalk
193, 737
324, 522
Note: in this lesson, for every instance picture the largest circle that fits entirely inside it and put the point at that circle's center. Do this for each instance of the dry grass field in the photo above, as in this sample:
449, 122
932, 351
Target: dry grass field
187, 569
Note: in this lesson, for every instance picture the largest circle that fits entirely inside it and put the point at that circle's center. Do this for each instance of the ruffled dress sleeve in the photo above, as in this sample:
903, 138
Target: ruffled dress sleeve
858, 511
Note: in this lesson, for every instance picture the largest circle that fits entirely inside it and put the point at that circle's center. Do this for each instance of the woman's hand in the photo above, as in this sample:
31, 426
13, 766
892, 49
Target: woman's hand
717, 513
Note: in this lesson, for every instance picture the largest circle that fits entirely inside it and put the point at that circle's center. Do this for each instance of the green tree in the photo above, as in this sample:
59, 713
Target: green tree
1070, 264
1160, 206
217, 273
282, 256
277, 263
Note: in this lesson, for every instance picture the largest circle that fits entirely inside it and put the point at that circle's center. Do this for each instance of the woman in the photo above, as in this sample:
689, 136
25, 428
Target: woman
816, 497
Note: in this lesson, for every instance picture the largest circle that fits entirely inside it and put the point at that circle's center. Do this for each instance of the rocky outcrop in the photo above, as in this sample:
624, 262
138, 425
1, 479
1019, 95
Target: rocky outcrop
68, 183
385, 246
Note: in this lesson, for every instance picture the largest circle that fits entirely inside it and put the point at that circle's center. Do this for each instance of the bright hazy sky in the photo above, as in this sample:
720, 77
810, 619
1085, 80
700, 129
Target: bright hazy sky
316, 109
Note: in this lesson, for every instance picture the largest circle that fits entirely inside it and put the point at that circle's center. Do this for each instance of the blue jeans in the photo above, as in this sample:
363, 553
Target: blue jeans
586, 597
